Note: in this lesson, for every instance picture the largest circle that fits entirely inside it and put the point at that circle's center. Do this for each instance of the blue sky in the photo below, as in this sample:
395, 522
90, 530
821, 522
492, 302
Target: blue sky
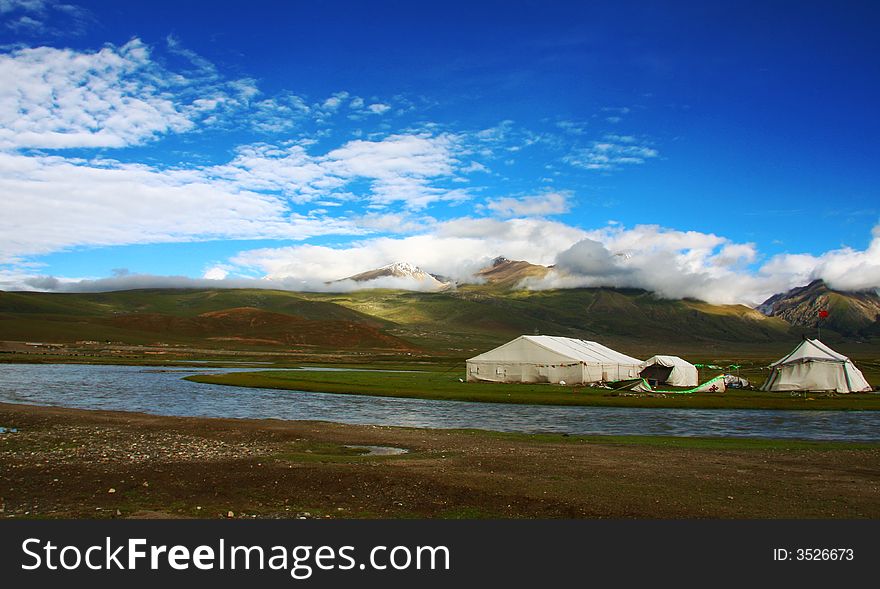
291, 143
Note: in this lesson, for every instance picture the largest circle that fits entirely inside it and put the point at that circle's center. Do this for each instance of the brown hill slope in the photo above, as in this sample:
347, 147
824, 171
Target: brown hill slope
849, 313
231, 318
509, 273
249, 325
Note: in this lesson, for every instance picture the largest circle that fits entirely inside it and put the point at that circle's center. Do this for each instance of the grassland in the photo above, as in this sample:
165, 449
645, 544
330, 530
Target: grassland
445, 385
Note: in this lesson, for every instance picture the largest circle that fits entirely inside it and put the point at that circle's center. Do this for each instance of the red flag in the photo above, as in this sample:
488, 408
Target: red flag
823, 314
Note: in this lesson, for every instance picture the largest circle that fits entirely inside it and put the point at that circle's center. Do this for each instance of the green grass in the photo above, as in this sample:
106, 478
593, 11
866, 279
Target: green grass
681, 442
445, 386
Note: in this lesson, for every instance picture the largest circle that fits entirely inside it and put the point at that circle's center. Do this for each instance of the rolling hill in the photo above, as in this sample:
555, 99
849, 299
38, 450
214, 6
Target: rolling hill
454, 322
211, 318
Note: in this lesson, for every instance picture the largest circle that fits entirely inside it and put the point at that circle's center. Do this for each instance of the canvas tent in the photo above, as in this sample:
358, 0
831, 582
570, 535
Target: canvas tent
669, 370
544, 358
813, 366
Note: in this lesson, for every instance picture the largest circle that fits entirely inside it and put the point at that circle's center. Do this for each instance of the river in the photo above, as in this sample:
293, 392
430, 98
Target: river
162, 391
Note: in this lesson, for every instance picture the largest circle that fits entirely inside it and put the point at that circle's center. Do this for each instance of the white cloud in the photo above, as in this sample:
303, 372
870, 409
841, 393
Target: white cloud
60, 98
456, 249
612, 153
378, 108
400, 167
845, 268
333, 102
52, 203
589, 258
279, 114
673, 264
44, 18
550, 203
475, 166
217, 272
126, 281
573, 127
7, 6
394, 222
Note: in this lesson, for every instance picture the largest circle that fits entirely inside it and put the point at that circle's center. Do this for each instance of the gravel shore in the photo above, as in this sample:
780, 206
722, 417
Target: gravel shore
66, 463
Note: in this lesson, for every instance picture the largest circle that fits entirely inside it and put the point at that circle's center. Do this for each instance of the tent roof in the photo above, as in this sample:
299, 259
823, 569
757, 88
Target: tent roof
668, 361
575, 349
811, 350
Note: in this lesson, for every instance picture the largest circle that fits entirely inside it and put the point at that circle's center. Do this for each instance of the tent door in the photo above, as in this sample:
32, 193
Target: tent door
656, 374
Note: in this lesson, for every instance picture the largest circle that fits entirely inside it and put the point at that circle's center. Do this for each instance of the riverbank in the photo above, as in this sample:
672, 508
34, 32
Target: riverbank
448, 386
99, 464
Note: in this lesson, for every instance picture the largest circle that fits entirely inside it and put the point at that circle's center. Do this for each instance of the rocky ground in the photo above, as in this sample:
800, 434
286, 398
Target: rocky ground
94, 464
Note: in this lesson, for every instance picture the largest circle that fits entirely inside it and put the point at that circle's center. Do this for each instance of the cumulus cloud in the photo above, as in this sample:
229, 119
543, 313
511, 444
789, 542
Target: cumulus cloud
845, 268
217, 272
278, 114
588, 258
400, 167
382, 183
378, 108
673, 264
456, 248
43, 17
612, 153
53, 203
7, 6
573, 127
550, 203
114, 97
333, 102
136, 281
216, 280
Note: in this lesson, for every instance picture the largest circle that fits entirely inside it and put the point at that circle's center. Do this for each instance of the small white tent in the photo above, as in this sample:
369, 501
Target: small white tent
670, 370
813, 366
544, 358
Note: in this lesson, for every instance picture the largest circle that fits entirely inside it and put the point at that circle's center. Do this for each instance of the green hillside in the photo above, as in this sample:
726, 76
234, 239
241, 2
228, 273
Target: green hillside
238, 319
474, 317
454, 322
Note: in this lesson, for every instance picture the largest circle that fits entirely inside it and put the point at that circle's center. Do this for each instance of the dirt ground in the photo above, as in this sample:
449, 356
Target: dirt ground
97, 464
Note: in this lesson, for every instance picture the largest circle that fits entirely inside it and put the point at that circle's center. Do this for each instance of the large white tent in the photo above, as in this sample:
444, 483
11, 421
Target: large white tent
813, 366
670, 370
544, 358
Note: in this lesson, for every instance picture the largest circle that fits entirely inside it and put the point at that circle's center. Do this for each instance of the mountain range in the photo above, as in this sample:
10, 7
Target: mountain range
452, 319
853, 314
501, 271
847, 313
401, 270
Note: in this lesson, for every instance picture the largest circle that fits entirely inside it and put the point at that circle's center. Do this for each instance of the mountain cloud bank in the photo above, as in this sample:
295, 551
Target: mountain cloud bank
674, 264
